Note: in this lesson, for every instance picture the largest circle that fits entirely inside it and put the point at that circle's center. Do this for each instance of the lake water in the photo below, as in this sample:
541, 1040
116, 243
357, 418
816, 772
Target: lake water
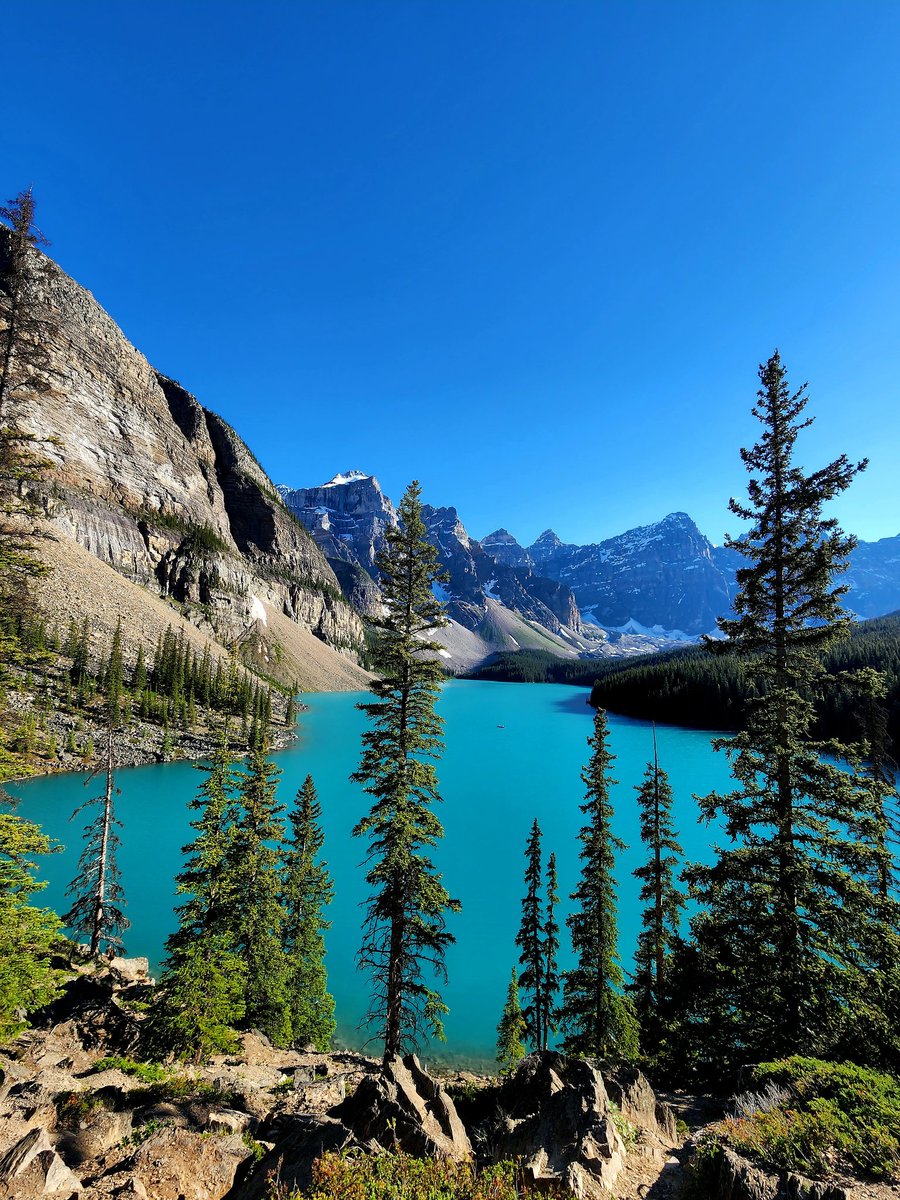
513, 753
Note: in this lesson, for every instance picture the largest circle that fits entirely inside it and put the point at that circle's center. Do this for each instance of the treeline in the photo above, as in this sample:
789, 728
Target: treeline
704, 690
175, 688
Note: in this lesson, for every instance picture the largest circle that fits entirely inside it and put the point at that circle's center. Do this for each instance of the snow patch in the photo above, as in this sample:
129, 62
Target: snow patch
346, 477
258, 610
489, 589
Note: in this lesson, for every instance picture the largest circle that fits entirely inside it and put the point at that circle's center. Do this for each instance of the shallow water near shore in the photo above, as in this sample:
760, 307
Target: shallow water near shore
513, 752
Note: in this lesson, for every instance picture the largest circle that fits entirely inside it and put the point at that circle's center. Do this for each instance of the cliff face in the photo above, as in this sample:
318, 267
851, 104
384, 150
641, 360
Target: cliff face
163, 490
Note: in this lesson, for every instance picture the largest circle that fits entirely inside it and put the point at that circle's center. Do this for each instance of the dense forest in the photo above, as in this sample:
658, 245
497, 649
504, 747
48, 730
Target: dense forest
705, 690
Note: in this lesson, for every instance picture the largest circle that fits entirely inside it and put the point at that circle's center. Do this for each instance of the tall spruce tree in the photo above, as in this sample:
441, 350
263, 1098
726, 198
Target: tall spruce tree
663, 905
596, 1017
511, 1030
27, 933
530, 940
405, 933
201, 994
97, 910
550, 986
24, 360
790, 924
306, 891
253, 870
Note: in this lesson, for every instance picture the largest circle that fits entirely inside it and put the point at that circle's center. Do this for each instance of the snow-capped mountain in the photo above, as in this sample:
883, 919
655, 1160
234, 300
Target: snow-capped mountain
665, 579
643, 588
491, 605
874, 578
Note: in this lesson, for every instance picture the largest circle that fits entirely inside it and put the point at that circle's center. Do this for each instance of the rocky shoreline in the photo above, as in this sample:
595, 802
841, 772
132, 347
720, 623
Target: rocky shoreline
82, 1115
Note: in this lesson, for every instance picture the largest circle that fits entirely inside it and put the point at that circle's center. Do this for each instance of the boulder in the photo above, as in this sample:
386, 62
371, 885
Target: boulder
403, 1108
290, 1161
228, 1120
555, 1116
733, 1177
93, 1133
87, 1002
32, 1168
179, 1164
630, 1089
130, 970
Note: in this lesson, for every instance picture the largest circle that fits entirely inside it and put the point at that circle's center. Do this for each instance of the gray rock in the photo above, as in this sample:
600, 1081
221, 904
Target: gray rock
631, 1091
403, 1108
32, 1168
557, 1119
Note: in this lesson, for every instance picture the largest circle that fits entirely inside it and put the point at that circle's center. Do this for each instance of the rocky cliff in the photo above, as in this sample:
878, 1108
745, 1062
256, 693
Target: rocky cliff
491, 605
161, 489
657, 577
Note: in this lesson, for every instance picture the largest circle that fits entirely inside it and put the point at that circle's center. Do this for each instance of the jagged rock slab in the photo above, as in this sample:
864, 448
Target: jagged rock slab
405, 1109
557, 1119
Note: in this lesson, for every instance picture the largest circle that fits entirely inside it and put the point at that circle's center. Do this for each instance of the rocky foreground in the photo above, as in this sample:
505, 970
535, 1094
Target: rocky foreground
79, 1117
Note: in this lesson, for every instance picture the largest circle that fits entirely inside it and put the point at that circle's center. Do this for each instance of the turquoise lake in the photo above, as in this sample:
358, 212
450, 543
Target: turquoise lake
513, 752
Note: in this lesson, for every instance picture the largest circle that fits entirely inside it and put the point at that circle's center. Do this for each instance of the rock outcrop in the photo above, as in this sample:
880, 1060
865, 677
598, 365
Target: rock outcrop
556, 1117
160, 488
405, 1109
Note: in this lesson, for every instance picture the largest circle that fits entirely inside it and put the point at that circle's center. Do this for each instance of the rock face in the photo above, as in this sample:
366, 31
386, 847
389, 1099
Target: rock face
557, 1118
405, 1109
663, 576
348, 516
161, 488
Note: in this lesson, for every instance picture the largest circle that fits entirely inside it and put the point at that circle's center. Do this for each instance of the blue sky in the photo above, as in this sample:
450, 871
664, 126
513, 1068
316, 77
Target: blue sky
529, 252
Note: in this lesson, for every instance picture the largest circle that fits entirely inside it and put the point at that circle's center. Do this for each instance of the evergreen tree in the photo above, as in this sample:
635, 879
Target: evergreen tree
597, 1018
307, 890
114, 676
27, 933
511, 1030
23, 374
253, 871
404, 931
530, 941
99, 900
663, 904
551, 951
201, 993
790, 923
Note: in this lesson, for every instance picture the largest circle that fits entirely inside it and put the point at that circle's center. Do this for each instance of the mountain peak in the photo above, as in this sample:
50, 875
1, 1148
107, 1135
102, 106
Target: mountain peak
547, 538
347, 477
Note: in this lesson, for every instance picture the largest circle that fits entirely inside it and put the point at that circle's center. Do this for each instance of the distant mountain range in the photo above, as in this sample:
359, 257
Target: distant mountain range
643, 589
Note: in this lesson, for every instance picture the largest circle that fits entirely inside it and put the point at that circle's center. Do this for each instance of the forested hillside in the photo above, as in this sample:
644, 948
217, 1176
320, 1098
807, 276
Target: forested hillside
707, 691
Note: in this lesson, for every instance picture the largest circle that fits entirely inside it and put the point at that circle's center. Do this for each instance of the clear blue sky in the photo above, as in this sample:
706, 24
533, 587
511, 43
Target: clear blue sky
530, 252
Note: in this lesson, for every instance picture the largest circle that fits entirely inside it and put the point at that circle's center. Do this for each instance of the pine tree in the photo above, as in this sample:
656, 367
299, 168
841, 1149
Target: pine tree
663, 901
550, 985
530, 941
27, 933
114, 676
790, 923
597, 1018
253, 871
23, 373
511, 1030
201, 993
99, 899
307, 889
404, 931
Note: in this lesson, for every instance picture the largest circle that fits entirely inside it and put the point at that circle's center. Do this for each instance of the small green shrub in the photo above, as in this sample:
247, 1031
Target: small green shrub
145, 1072
833, 1113
390, 1176
627, 1131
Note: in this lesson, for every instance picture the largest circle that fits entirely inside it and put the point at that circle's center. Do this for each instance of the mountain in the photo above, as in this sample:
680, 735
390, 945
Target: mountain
665, 578
490, 605
874, 577
147, 483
